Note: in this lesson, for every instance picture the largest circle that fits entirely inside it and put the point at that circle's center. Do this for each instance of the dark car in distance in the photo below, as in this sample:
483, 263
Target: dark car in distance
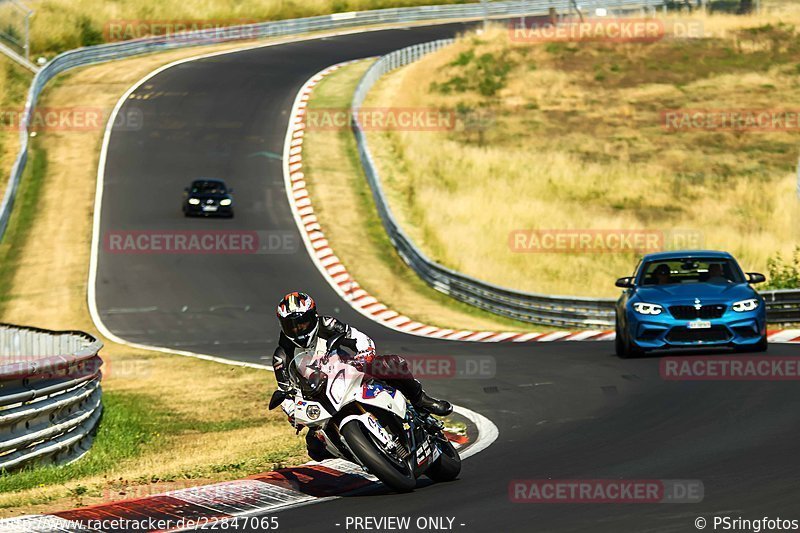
208, 197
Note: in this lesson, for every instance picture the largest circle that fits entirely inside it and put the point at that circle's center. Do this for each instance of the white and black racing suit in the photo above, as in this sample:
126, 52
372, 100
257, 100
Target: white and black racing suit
391, 369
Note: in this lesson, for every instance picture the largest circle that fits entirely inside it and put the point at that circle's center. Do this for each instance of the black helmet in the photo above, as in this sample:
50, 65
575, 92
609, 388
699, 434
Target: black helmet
297, 314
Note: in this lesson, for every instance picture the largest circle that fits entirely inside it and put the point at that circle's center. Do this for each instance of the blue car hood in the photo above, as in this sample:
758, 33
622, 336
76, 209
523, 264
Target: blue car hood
707, 292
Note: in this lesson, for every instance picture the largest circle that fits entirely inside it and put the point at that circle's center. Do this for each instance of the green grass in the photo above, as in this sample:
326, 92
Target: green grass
132, 423
19, 226
129, 423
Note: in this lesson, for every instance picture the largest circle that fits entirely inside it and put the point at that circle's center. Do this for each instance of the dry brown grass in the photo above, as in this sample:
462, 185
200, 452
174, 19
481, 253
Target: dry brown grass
14, 82
60, 25
576, 141
219, 427
346, 211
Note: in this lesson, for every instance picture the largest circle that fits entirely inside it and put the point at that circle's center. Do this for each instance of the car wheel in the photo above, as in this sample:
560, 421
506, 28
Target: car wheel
760, 347
619, 343
629, 348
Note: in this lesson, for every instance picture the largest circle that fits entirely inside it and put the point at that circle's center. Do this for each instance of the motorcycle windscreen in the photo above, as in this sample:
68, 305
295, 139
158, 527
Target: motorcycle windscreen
305, 373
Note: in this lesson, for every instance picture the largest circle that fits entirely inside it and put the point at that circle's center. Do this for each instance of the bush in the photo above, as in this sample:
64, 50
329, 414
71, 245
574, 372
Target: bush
783, 275
89, 35
485, 74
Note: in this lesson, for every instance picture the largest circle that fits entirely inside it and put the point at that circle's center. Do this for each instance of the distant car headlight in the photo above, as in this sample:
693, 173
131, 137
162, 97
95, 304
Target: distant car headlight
647, 309
194, 201
226, 201
744, 306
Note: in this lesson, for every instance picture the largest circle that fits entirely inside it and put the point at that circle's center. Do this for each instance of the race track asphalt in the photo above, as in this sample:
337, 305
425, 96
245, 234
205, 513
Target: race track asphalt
564, 410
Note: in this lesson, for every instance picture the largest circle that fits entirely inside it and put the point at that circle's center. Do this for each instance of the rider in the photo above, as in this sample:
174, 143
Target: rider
301, 326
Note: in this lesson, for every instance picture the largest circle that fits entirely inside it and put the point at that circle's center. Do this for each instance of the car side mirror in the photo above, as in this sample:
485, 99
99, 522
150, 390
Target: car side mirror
624, 283
277, 398
755, 277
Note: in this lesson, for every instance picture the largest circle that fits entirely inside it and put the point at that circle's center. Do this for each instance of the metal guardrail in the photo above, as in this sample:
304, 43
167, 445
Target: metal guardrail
782, 306
50, 395
108, 52
553, 310
528, 307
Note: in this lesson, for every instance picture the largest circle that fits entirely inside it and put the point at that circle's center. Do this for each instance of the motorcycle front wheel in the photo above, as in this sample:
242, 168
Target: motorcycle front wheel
389, 470
447, 466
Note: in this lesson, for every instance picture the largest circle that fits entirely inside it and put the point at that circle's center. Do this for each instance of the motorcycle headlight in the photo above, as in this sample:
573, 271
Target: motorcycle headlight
226, 201
647, 309
744, 306
194, 201
338, 387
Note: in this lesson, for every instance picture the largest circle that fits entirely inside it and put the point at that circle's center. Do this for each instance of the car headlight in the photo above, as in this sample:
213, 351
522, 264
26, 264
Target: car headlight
194, 201
226, 201
338, 387
744, 306
647, 309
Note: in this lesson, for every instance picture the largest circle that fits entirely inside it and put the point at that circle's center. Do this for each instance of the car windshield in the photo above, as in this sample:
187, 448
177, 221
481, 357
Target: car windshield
208, 187
690, 270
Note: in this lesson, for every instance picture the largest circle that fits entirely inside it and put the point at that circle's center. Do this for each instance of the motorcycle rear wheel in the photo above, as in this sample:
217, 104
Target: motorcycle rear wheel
374, 459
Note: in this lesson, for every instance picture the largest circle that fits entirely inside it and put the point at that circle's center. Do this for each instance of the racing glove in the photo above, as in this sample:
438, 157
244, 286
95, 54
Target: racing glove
288, 407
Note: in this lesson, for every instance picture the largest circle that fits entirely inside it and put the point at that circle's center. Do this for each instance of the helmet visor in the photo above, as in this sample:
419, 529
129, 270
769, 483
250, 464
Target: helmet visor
299, 325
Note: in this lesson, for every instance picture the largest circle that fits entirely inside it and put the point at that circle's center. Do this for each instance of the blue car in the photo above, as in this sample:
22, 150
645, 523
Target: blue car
689, 299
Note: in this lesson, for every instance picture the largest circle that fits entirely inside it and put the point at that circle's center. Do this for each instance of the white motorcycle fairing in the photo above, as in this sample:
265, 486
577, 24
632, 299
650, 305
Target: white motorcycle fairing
393, 442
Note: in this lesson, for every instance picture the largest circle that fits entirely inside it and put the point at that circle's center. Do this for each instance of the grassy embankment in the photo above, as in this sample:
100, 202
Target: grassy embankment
346, 211
60, 25
14, 83
169, 421
571, 135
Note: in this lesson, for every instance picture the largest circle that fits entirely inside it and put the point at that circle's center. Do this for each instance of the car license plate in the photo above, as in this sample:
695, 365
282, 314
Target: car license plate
699, 324
209, 208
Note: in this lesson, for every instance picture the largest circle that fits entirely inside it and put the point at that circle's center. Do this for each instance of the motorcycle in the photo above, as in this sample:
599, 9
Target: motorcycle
364, 420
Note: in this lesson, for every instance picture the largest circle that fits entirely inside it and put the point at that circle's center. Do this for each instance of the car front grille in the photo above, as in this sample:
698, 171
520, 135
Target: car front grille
686, 335
690, 312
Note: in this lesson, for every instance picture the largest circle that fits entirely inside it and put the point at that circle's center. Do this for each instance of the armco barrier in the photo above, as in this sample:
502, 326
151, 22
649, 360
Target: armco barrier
49, 395
107, 52
782, 306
